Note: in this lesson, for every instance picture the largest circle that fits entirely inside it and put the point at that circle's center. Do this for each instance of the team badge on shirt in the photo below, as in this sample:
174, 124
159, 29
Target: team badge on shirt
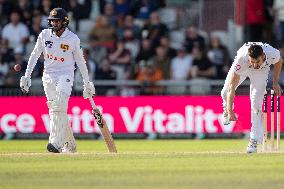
64, 47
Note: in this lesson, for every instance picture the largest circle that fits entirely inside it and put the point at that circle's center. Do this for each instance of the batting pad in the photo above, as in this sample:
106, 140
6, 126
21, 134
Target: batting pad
57, 122
69, 140
61, 134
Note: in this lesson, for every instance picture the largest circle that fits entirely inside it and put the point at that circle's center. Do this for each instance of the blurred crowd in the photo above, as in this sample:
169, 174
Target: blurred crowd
127, 41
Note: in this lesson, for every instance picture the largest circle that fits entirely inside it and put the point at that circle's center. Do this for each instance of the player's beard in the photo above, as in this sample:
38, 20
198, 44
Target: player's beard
256, 67
56, 29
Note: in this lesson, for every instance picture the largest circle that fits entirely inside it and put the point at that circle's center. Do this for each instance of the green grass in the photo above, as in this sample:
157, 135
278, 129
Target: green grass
140, 164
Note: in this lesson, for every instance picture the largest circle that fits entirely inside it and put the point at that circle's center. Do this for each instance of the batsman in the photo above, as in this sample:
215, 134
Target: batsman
61, 49
253, 60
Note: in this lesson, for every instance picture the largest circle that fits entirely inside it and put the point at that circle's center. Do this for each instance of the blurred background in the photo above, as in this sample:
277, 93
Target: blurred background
142, 47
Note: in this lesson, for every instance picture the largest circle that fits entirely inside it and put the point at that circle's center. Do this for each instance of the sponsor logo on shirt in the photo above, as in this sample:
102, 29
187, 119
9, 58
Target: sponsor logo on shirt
48, 44
64, 47
52, 57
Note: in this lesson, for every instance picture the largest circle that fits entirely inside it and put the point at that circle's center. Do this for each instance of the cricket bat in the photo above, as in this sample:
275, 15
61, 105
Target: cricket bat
103, 128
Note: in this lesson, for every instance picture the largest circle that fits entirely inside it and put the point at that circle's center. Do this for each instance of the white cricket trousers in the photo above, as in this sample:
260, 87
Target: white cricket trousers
58, 90
258, 82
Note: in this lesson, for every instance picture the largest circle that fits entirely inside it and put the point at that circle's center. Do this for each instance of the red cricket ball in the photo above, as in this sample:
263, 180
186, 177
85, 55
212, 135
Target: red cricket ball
17, 67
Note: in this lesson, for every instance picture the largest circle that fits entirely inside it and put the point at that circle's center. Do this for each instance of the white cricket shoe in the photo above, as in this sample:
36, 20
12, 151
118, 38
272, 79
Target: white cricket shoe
225, 119
252, 146
68, 149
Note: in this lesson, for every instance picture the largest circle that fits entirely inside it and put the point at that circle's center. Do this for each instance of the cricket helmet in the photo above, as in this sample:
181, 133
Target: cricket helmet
58, 14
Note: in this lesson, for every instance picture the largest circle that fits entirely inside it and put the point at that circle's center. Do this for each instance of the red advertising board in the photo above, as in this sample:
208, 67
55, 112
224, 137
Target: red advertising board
155, 114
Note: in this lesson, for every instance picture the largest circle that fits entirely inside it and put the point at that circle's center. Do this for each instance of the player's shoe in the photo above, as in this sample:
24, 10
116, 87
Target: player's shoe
51, 148
68, 148
225, 119
252, 146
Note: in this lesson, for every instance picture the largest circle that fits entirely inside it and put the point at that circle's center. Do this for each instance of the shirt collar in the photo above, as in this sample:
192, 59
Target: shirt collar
64, 34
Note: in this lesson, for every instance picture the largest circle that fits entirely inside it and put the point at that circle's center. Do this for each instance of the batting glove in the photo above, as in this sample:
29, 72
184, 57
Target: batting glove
25, 83
89, 90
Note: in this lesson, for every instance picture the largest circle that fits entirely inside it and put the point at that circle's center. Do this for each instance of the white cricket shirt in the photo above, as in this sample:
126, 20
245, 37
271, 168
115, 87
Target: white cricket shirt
241, 62
60, 54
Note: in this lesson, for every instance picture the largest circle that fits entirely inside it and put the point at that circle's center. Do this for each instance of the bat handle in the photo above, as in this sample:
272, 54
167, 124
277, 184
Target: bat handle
92, 103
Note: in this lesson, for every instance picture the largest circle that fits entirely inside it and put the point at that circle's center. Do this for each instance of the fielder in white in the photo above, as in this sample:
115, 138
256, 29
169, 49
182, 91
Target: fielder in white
61, 49
253, 60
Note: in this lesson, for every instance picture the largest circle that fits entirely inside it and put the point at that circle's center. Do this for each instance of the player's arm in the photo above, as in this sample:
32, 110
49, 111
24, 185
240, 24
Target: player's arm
89, 89
38, 49
25, 81
233, 82
276, 77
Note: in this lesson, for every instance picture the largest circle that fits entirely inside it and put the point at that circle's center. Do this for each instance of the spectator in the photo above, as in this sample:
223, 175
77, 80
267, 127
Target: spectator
45, 8
219, 56
102, 4
192, 38
25, 9
129, 23
97, 51
91, 65
141, 9
269, 24
155, 29
162, 61
16, 32
131, 43
6, 7
165, 42
105, 73
7, 53
148, 75
201, 65
146, 51
255, 20
181, 65
120, 26
110, 14
279, 17
180, 69
36, 27
121, 7
4, 68
145, 54
120, 59
79, 10
36, 3
85, 9
103, 33
92, 70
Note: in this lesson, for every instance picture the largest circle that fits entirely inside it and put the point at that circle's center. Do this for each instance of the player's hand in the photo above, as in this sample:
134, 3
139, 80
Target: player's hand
277, 89
89, 90
25, 83
232, 116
